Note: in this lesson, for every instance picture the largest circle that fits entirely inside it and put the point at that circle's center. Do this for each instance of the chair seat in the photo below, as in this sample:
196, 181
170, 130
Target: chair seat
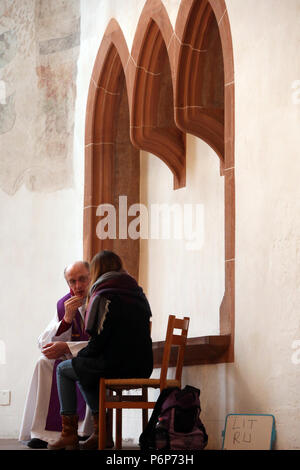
118, 402
133, 384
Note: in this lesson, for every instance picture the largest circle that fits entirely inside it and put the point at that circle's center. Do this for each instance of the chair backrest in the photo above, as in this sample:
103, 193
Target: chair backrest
174, 340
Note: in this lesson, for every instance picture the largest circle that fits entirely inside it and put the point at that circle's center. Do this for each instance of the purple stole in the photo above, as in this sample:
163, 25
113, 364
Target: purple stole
53, 422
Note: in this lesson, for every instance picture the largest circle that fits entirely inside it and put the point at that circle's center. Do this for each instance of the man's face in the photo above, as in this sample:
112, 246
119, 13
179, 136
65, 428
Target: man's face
78, 279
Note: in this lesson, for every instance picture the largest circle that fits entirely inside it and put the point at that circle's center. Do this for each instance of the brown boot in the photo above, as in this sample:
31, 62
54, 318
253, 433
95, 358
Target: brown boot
69, 438
92, 442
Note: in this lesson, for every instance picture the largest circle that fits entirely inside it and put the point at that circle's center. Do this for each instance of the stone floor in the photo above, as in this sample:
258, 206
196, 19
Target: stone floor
14, 444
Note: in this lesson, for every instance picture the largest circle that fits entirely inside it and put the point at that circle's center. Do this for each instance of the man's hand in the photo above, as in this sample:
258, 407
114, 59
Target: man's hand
55, 350
71, 307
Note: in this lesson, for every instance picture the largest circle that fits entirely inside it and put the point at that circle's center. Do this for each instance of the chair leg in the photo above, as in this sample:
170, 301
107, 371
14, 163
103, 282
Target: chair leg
119, 422
109, 427
102, 418
118, 429
109, 419
145, 410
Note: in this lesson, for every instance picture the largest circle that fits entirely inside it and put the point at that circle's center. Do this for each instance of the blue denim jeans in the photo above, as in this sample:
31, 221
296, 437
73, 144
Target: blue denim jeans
66, 385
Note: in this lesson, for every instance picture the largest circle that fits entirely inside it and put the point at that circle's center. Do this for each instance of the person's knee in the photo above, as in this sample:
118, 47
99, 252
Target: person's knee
64, 368
60, 369
44, 363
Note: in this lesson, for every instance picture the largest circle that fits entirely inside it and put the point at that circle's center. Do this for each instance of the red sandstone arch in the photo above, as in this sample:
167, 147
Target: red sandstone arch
205, 109
199, 106
125, 104
153, 126
113, 36
204, 106
111, 161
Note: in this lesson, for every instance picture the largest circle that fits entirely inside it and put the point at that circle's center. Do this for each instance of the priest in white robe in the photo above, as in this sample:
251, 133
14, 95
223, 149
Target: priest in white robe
63, 339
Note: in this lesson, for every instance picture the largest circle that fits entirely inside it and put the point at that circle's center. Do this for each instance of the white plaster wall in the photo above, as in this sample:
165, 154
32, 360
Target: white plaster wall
39, 234
40, 228
266, 50
184, 277
263, 377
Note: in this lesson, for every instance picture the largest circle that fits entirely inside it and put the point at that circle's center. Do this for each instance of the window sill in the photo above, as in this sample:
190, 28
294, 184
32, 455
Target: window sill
200, 350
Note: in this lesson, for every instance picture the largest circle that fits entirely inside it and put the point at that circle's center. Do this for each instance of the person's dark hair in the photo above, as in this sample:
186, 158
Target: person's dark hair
104, 262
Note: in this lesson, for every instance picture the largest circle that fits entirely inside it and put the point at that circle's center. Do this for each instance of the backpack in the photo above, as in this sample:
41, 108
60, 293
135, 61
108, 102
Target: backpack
175, 422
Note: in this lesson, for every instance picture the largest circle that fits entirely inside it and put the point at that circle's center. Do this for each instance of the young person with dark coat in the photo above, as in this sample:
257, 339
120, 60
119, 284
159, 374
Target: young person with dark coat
117, 320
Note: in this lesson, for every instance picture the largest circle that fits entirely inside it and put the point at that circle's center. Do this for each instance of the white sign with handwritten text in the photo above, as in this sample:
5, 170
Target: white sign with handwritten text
249, 432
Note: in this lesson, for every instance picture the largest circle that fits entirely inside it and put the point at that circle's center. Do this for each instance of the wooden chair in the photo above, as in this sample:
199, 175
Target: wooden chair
120, 401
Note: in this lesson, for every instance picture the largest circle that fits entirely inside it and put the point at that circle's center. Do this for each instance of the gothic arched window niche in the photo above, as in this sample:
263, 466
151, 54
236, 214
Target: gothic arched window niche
174, 82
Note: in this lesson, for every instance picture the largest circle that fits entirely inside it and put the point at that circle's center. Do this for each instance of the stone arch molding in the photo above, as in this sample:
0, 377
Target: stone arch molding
173, 82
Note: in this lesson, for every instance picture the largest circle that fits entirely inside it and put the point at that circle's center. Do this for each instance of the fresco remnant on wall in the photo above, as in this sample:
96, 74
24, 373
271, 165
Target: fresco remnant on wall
39, 47
8, 46
7, 114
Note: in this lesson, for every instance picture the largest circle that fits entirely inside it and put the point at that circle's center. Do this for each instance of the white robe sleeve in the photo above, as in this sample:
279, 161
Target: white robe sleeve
76, 346
49, 335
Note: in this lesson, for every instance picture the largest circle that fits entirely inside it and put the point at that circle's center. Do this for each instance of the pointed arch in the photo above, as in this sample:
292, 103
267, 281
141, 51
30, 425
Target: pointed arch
153, 126
133, 100
204, 81
199, 103
111, 161
204, 107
